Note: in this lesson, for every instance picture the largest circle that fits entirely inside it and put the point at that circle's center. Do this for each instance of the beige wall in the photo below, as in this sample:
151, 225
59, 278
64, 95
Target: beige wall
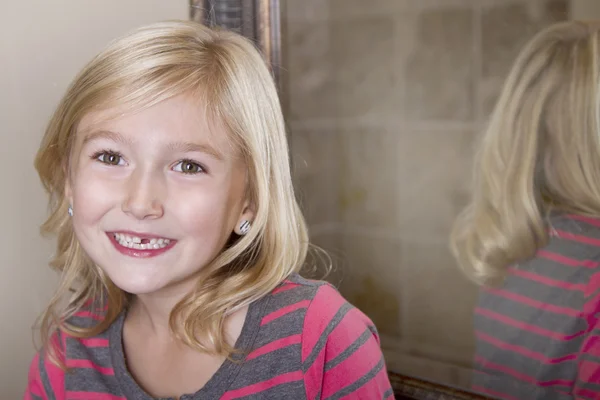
42, 45
585, 9
386, 99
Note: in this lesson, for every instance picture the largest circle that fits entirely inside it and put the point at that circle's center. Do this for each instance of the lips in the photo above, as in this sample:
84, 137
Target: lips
141, 245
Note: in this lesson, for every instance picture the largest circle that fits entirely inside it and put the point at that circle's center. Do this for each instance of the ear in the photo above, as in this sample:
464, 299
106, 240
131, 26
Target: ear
246, 217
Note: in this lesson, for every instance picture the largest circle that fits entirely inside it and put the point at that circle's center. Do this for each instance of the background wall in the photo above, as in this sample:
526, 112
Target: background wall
585, 9
386, 100
42, 45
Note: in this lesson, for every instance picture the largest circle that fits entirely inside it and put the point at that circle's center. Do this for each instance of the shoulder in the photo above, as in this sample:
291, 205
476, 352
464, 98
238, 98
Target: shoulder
321, 302
574, 234
46, 370
67, 356
333, 321
573, 252
340, 351
571, 256
323, 305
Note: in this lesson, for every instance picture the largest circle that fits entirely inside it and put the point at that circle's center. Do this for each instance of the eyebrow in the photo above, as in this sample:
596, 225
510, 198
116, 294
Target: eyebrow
183, 147
102, 134
188, 147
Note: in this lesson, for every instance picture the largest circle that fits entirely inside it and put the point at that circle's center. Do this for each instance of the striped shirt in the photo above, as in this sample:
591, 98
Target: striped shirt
538, 336
302, 341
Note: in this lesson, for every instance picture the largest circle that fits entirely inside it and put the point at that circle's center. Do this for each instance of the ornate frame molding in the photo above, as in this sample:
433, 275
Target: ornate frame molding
258, 20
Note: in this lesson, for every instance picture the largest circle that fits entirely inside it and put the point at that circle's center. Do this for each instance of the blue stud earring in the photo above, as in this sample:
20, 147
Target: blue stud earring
245, 227
70, 211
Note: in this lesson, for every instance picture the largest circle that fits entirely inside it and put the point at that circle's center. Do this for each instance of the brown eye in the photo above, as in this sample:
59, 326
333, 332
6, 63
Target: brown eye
109, 158
188, 167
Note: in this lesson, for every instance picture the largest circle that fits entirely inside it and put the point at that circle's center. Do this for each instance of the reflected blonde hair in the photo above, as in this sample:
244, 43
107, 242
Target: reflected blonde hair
540, 152
143, 68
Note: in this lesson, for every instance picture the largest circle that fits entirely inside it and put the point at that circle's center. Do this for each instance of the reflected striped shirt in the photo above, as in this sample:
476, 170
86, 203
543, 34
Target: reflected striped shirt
302, 341
538, 336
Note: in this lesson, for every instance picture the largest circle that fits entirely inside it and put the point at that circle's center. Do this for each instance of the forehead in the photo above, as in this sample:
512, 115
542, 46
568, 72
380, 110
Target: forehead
177, 119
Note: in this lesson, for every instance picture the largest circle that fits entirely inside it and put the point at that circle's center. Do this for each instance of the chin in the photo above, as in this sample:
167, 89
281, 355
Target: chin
137, 285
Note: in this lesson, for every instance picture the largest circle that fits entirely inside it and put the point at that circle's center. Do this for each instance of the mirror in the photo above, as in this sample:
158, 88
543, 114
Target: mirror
386, 102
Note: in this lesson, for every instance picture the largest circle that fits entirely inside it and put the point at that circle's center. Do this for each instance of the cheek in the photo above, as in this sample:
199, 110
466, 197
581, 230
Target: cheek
92, 197
203, 212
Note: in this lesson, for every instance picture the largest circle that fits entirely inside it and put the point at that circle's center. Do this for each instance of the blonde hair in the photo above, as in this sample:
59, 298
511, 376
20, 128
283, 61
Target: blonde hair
145, 67
540, 152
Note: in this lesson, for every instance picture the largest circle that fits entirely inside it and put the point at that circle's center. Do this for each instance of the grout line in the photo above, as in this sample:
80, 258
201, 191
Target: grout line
334, 125
391, 233
375, 233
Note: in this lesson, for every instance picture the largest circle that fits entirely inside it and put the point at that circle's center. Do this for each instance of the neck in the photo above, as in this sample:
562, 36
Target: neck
152, 311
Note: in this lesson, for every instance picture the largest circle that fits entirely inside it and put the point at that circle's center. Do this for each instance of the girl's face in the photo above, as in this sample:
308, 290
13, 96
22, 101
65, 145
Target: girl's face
156, 194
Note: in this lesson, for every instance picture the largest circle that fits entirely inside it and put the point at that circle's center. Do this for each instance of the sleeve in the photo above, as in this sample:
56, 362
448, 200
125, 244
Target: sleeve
46, 379
341, 353
35, 388
587, 384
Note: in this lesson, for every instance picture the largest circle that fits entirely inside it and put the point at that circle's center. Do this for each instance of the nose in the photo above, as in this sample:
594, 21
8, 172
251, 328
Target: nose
144, 193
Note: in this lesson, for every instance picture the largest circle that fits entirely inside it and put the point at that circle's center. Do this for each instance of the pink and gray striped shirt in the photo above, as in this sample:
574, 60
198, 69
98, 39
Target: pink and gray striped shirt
538, 336
303, 341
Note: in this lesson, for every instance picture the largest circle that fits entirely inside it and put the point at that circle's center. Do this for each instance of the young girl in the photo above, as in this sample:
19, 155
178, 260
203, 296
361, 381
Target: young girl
179, 237
533, 225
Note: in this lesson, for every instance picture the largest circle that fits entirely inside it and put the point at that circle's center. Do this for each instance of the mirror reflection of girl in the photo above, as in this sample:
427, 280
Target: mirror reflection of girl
179, 237
533, 224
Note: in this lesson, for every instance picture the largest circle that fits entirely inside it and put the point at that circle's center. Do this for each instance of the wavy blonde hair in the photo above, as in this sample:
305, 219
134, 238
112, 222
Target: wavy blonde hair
540, 152
147, 66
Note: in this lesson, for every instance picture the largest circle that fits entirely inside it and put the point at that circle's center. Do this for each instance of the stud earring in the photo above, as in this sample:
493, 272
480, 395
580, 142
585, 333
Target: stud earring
70, 211
245, 227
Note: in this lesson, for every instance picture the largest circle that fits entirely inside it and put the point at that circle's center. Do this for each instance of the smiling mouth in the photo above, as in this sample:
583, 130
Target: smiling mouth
137, 243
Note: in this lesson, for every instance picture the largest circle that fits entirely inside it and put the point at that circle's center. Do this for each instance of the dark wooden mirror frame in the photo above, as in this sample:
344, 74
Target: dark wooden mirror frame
259, 20
412, 388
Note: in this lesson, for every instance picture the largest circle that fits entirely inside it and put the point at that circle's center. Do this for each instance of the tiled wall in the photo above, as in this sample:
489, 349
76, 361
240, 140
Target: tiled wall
385, 101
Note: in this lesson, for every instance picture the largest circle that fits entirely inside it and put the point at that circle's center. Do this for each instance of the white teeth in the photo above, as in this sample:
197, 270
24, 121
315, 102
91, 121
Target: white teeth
134, 242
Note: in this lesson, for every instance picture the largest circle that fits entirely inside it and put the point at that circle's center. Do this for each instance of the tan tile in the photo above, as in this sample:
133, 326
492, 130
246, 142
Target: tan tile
367, 170
439, 67
305, 10
309, 71
358, 9
325, 259
505, 28
437, 300
372, 280
315, 159
366, 78
434, 172
437, 4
